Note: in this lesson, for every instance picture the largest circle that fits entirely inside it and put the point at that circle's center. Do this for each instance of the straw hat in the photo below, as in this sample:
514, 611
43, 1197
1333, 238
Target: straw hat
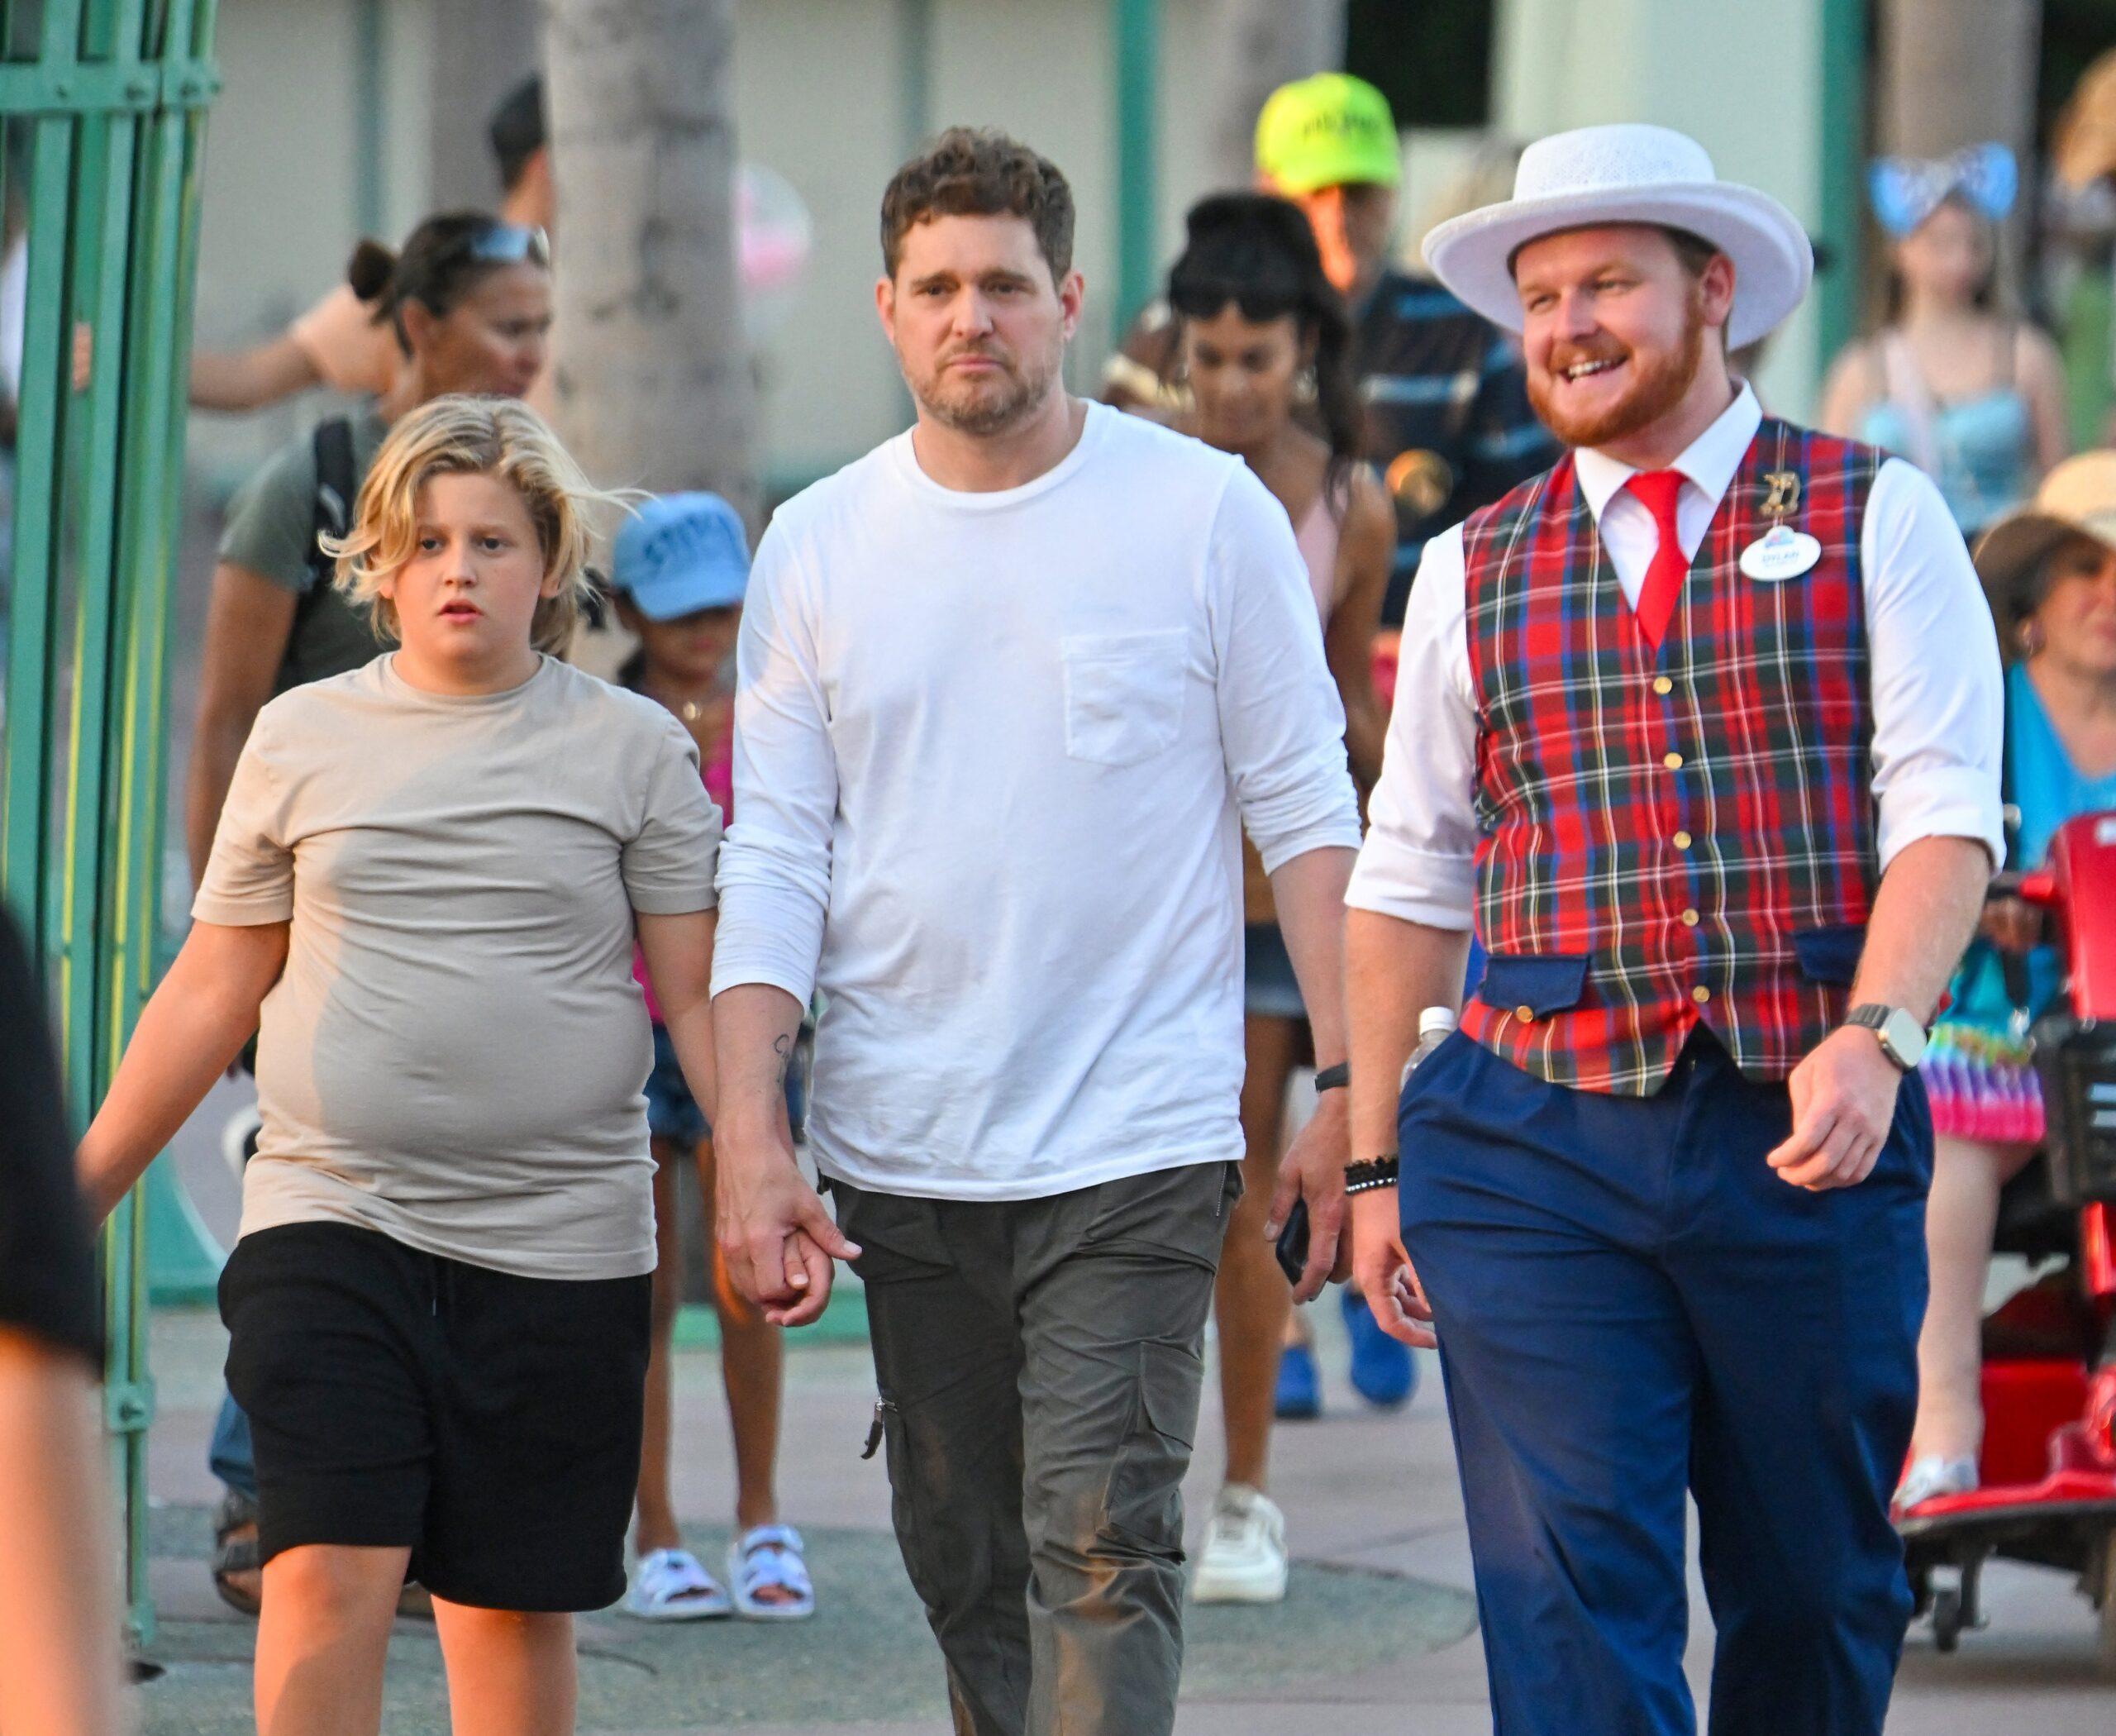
2078, 498
1627, 173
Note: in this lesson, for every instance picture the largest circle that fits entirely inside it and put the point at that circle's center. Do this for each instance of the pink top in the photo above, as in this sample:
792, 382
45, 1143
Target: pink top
1317, 535
719, 775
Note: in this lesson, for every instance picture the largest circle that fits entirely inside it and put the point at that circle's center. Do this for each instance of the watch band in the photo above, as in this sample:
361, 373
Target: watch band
1896, 1028
1334, 1078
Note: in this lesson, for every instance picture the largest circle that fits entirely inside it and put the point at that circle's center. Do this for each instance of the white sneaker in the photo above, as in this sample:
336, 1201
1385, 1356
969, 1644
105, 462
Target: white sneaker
1932, 1476
1244, 1559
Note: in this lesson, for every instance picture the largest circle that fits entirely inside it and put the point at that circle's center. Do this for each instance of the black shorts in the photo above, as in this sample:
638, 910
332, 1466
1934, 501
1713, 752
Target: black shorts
490, 1422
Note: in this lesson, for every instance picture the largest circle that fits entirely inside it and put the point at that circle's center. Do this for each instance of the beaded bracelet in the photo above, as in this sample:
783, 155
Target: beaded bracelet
1371, 1173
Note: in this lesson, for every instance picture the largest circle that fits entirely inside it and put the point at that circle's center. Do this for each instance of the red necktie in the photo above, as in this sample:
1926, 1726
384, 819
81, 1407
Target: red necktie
1656, 490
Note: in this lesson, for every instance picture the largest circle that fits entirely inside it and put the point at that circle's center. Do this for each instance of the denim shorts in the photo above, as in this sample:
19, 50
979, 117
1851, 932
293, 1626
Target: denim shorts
673, 1114
1270, 989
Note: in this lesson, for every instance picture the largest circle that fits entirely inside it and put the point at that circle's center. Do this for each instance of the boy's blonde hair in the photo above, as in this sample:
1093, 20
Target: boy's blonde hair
460, 436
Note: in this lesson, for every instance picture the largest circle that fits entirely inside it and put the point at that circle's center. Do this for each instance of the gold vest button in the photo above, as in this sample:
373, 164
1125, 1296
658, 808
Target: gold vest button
1662, 684
1673, 761
1527, 1015
1681, 840
1689, 918
1701, 994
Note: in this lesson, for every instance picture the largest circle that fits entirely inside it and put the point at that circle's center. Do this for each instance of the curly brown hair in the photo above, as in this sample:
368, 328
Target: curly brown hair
979, 172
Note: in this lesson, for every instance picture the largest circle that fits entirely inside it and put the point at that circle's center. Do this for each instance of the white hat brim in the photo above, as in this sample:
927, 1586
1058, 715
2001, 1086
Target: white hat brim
1773, 260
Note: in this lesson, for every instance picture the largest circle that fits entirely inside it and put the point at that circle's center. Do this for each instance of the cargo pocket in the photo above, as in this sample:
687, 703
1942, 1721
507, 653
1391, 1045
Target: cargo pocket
1521, 982
1143, 1506
1123, 695
918, 1542
1830, 955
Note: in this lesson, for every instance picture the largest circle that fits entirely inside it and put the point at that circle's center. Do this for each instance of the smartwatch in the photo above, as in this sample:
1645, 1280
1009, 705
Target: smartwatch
1902, 1037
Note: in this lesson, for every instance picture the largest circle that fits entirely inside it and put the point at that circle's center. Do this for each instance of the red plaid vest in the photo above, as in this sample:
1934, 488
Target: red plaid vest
1671, 837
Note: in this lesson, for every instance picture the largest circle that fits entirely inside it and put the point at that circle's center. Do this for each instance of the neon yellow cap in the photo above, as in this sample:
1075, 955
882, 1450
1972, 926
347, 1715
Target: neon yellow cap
1326, 132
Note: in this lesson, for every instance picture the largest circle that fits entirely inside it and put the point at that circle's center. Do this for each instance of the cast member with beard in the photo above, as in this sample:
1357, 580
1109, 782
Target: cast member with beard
1699, 731
1008, 690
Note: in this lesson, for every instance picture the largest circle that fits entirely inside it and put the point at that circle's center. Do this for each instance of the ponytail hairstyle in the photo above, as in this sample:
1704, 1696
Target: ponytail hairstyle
1255, 252
442, 260
460, 434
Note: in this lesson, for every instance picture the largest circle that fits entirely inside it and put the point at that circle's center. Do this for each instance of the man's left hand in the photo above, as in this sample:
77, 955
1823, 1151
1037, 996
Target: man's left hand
1843, 1105
1313, 1170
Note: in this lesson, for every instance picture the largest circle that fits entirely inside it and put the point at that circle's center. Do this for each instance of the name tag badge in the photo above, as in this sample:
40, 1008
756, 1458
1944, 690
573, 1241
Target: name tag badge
1780, 554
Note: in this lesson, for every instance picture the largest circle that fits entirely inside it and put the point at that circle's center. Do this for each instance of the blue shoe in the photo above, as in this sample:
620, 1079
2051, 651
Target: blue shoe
1299, 1396
1384, 1371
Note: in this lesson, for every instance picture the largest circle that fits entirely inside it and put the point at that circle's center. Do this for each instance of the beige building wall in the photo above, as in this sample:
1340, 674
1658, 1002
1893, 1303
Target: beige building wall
1744, 79
819, 96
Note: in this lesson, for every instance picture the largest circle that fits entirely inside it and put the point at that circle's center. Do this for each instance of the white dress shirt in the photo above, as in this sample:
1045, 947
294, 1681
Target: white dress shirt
992, 754
1937, 700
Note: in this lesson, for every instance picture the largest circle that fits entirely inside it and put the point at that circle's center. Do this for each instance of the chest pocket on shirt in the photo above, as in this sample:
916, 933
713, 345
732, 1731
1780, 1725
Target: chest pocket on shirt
1123, 695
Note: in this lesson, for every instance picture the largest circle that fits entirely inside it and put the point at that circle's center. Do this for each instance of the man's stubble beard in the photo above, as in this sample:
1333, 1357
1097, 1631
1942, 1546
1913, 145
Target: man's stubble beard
982, 414
1652, 395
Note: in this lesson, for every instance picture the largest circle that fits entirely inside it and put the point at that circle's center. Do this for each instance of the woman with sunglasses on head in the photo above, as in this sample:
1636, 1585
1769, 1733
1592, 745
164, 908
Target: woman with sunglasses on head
1954, 381
468, 301
1261, 358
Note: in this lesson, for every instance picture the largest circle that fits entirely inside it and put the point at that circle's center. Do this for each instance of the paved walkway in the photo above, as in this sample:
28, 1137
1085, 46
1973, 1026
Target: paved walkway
1378, 1635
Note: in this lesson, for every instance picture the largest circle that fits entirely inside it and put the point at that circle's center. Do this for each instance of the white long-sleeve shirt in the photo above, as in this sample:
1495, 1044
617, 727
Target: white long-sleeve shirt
1933, 666
991, 753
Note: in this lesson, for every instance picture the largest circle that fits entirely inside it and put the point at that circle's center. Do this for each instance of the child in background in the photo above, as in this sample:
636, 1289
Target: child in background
425, 889
679, 570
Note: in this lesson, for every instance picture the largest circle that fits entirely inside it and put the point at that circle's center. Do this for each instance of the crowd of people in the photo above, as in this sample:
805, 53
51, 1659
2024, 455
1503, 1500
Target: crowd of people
1042, 735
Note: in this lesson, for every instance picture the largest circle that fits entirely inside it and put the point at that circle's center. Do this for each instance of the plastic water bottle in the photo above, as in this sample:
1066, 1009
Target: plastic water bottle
1436, 1025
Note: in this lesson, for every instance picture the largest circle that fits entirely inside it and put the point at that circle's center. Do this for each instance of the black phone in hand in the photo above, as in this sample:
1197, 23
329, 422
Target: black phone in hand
1292, 1245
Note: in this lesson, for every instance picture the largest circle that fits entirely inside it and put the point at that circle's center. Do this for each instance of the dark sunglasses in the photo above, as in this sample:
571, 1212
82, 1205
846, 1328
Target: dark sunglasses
1260, 307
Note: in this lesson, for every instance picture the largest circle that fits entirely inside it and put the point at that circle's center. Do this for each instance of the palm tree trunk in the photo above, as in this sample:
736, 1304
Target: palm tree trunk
654, 384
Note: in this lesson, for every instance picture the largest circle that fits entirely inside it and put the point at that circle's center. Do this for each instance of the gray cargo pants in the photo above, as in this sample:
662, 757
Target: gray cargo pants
1039, 1363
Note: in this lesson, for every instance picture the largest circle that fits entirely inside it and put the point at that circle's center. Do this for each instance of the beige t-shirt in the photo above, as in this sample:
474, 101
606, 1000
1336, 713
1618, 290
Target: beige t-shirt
454, 1053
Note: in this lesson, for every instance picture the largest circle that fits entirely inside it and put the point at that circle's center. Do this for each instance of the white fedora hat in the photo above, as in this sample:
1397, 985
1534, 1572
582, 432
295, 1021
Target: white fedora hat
1627, 173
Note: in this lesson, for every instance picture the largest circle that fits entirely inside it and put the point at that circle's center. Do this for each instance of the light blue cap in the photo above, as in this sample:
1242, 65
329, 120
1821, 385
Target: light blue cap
681, 553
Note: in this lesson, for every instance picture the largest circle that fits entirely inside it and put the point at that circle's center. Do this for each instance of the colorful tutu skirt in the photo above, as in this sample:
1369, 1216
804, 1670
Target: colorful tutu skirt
1982, 1083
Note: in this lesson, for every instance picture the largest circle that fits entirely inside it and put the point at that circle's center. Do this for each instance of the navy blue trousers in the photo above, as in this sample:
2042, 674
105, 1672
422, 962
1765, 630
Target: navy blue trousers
1631, 1304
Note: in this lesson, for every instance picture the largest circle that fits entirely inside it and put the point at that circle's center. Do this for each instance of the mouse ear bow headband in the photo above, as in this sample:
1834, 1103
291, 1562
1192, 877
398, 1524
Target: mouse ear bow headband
1904, 191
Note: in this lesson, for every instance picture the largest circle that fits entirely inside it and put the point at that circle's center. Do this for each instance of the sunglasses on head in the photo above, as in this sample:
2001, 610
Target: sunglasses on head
509, 244
1260, 307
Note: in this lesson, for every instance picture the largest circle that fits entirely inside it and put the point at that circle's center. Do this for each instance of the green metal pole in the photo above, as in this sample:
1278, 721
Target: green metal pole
1135, 31
114, 104
1843, 87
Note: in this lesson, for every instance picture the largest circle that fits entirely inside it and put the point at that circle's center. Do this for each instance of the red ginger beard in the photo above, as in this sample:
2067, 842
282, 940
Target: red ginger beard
1663, 378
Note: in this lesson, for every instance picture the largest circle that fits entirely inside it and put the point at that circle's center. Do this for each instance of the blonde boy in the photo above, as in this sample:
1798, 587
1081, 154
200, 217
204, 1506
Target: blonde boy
425, 884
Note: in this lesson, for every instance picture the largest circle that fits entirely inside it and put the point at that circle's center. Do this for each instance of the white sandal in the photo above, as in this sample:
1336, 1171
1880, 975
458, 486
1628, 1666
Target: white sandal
767, 1558
1932, 1476
672, 1584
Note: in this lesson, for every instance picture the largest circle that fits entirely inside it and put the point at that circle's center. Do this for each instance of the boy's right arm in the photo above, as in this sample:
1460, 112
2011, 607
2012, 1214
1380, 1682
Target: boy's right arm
248, 620
192, 1028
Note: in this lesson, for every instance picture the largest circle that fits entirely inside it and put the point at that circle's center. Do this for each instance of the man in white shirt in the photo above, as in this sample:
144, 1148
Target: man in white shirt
1009, 686
1702, 726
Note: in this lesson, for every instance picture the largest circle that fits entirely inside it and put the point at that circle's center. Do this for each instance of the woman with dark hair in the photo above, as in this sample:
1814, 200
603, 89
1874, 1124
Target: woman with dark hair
1262, 356
468, 301
1972, 395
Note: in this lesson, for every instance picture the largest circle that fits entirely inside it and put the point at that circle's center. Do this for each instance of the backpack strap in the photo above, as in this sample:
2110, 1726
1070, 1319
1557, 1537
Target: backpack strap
336, 487
331, 513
